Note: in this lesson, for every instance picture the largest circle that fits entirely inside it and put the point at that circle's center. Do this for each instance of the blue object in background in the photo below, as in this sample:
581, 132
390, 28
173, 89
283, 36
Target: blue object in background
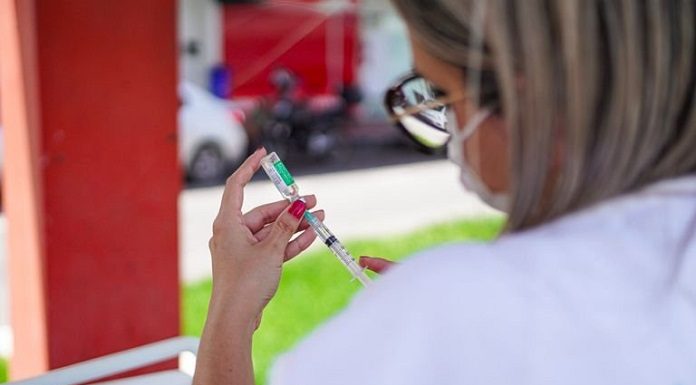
221, 81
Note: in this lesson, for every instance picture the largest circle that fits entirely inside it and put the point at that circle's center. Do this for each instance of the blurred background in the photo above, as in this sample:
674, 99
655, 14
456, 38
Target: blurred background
305, 79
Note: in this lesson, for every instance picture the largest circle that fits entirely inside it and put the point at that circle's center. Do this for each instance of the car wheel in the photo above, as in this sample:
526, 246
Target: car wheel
208, 165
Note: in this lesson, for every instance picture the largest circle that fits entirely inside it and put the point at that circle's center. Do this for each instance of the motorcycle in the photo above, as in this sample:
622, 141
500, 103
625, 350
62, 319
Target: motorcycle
290, 123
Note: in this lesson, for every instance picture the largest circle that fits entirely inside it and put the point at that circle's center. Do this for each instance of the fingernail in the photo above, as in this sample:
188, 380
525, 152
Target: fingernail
297, 208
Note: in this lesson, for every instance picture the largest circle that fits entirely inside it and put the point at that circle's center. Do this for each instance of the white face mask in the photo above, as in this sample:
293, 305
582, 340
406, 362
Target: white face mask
468, 177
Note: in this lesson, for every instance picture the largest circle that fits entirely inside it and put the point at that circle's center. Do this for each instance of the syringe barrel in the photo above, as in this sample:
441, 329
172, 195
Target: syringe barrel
322, 231
350, 263
359, 274
337, 247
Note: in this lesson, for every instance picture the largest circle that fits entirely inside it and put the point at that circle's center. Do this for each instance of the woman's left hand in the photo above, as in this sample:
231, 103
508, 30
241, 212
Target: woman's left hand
248, 250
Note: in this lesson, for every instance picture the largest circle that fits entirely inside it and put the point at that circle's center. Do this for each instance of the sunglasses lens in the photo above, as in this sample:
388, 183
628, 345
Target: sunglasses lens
420, 113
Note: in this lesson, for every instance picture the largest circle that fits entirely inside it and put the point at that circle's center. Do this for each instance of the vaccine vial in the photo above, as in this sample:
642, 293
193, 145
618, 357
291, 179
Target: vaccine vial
280, 176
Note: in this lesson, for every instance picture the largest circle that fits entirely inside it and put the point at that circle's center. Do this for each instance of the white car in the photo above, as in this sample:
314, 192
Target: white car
211, 139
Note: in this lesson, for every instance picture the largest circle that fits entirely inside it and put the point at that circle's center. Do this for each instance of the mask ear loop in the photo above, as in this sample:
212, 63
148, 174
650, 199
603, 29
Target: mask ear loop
474, 123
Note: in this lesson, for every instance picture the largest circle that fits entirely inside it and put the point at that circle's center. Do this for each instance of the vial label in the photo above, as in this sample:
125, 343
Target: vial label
284, 173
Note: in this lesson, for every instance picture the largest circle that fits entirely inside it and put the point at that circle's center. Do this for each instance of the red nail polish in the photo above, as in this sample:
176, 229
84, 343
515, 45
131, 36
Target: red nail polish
297, 208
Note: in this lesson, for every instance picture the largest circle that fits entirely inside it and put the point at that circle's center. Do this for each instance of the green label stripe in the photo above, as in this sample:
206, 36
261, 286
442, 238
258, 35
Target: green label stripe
284, 173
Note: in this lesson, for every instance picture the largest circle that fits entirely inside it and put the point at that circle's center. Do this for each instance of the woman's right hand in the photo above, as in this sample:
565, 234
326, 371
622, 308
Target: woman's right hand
378, 265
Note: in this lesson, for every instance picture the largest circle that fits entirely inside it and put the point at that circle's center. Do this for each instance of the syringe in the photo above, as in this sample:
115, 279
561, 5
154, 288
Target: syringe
337, 248
285, 183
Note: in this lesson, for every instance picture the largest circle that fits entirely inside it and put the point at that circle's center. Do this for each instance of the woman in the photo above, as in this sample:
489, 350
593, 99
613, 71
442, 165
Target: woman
577, 118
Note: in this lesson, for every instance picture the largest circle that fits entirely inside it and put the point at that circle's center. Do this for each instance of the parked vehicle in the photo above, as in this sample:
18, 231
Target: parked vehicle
212, 140
291, 122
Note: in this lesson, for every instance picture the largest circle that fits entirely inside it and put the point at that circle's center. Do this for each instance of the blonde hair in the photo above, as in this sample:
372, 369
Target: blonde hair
610, 82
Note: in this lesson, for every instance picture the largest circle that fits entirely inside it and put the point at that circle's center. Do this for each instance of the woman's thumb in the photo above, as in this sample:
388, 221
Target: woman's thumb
285, 226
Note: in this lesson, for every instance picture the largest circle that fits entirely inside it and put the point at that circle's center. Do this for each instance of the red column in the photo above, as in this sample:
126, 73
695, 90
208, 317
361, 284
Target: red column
91, 176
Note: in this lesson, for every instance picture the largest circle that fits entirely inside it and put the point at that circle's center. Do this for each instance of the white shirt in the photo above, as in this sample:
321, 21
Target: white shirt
603, 296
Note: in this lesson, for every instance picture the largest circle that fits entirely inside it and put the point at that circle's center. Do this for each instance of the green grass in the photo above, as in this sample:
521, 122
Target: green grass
3, 370
315, 286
